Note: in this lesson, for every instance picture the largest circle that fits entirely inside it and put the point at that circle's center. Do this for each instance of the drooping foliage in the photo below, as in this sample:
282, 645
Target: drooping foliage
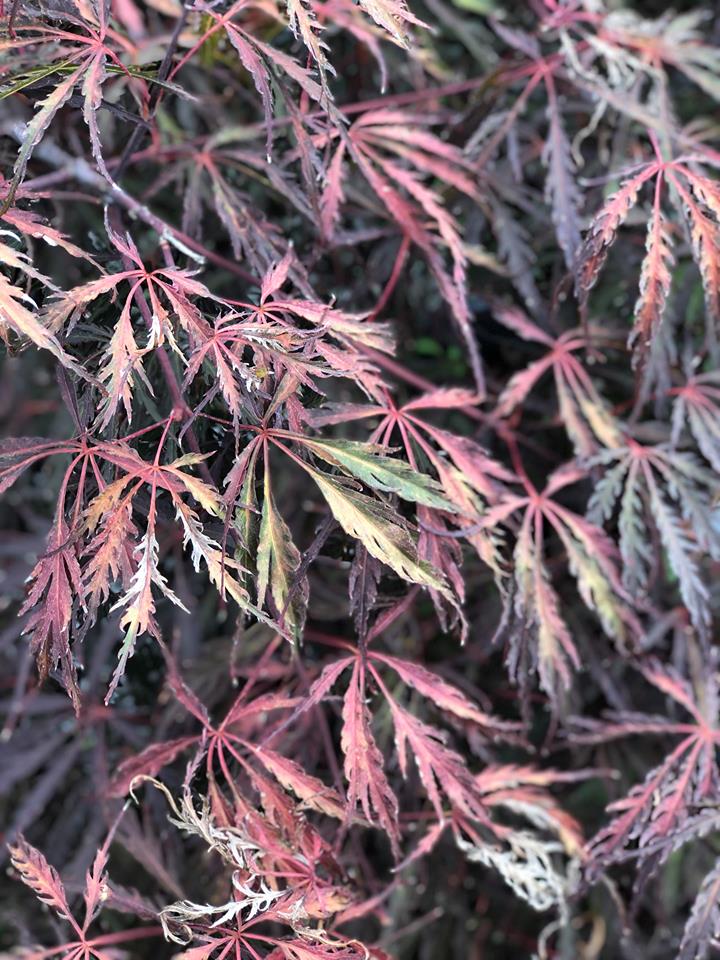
359, 473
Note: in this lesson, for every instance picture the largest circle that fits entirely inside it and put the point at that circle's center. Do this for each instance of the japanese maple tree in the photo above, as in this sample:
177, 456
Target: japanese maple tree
360, 407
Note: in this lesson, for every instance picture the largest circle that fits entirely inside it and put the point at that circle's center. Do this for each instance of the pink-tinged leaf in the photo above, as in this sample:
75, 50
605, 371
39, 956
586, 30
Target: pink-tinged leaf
426, 845
148, 763
109, 557
672, 684
67, 306
276, 277
305, 25
40, 876
448, 398
92, 94
318, 950
442, 770
17, 454
388, 179
655, 281
518, 321
138, 601
526, 788
564, 476
257, 69
521, 383
243, 709
363, 582
476, 466
204, 951
445, 554
392, 16
289, 66
332, 195
647, 818
32, 225
538, 610
444, 695
313, 792
705, 238
55, 582
366, 908
368, 785
604, 227
96, 888
697, 406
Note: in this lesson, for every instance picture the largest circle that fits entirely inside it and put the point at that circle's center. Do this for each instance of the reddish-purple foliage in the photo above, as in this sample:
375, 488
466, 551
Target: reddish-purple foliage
361, 428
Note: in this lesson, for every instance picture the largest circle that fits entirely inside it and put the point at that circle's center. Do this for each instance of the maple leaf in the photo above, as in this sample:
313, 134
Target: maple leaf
669, 484
592, 562
32, 226
256, 56
368, 785
466, 474
122, 359
228, 743
289, 854
377, 528
623, 44
525, 790
698, 199
369, 519
17, 454
335, 344
207, 171
584, 413
112, 548
561, 188
442, 770
138, 603
367, 462
56, 580
578, 110
643, 821
304, 23
44, 881
85, 61
395, 155
111, 556
393, 16
697, 407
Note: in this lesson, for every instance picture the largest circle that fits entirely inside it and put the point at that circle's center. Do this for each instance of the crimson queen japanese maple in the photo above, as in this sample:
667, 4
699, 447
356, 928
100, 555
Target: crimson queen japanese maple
361, 428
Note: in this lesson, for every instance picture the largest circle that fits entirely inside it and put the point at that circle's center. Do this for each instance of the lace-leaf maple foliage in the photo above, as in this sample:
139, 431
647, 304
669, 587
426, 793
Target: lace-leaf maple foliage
361, 428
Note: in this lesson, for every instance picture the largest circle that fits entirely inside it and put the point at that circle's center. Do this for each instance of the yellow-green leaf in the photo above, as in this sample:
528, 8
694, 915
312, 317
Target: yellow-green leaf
367, 462
278, 562
376, 527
